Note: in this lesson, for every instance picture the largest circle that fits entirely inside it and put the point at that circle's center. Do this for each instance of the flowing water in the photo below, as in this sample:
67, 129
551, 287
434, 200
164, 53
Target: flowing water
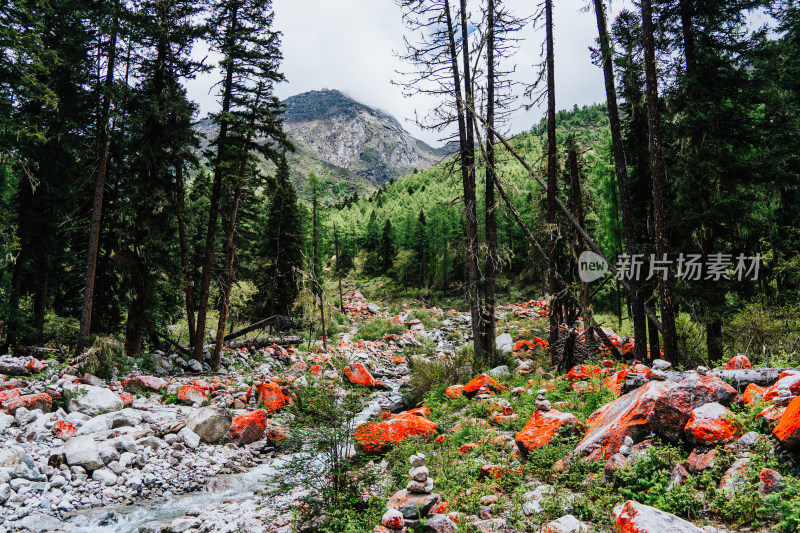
127, 519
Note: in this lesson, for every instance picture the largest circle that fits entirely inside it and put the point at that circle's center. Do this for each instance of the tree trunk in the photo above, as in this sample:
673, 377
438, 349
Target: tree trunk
657, 170
227, 277
635, 297
184, 244
470, 198
213, 210
551, 181
490, 201
338, 267
97, 201
577, 206
468, 182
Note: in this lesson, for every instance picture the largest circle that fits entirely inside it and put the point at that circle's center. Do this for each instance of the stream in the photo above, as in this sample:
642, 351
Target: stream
128, 518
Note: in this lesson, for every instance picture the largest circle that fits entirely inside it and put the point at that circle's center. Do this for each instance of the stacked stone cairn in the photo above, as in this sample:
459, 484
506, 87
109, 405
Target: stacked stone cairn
406, 507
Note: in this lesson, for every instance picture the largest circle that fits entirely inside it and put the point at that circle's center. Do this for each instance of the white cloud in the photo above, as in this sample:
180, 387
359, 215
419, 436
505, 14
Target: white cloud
350, 45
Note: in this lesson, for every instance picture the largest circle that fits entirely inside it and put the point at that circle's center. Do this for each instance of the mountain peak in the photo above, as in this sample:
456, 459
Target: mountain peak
323, 105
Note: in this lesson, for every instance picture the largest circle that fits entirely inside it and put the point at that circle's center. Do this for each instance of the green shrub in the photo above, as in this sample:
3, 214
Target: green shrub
435, 373
105, 355
378, 328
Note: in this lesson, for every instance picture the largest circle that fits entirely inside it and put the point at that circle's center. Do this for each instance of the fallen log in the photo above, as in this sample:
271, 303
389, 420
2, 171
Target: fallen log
260, 343
177, 346
274, 320
738, 379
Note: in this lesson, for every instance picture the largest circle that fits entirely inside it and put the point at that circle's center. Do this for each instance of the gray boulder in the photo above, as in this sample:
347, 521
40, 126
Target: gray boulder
504, 343
210, 423
82, 451
93, 401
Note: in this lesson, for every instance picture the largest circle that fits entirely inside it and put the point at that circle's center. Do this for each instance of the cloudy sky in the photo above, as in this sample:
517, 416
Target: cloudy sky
350, 45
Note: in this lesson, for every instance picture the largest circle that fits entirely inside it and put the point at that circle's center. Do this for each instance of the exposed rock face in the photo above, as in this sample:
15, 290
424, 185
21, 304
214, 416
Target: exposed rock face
635, 517
672, 410
348, 141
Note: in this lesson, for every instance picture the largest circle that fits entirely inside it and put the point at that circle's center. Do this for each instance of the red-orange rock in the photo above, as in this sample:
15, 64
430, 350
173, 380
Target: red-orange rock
709, 425
615, 381
627, 416
671, 411
788, 428
421, 411
191, 395
454, 391
270, 395
357, 374
377, 437
141, 384
752, 393
275, 433
484, 380
65, 429
248, 427
635, 517
315, 369
789, 380
490, 472
127, 399
737, 363
771, 481
771, 414
36, 365
10, 384
468, 447
30, 402
542, 427
8, 395
580, 372
697, 462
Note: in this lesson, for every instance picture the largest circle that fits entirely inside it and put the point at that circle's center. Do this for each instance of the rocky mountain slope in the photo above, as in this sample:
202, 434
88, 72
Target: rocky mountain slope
348, 145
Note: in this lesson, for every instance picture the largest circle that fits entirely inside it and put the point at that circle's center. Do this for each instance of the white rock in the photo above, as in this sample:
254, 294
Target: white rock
567, 524
105, 477
419, 473
189, 438
82, 451
504, 343
209, 423
417, 459
93, 401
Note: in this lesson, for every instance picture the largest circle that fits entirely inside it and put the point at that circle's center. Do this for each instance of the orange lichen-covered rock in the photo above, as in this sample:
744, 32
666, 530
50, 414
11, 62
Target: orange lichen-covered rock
697, 462
8, 395
789, 380
635, 517
484, 380
421, 411
752, 393
520, 345
377, 437
771, 414
627, 416
270, 395
65, 429
454, 391
710, 424
542, 427
737, 363
580, 372
31, 401
615, 381
36, 365
468, 447
788, 428
127, 399
771, 481
10, 384
142, 384
357, 374
671, 410
191, 395
248, 427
